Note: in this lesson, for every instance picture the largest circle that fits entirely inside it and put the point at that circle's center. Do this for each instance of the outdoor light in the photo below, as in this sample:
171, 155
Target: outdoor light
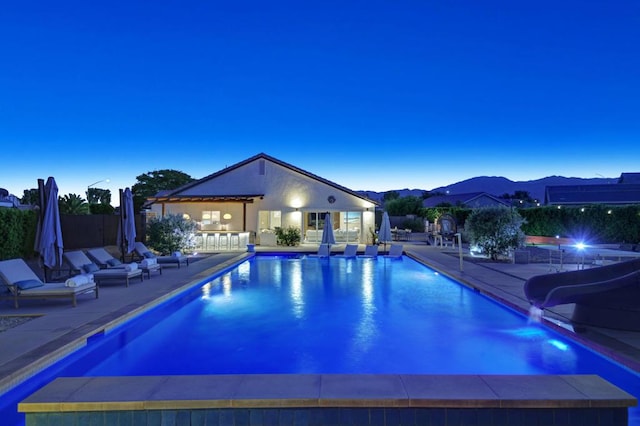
100, 181
580, 246
226, 216
94, 183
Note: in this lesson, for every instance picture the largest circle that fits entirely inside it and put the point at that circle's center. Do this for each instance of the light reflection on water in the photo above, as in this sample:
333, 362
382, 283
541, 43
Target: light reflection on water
366, 330
343, 316
297, 297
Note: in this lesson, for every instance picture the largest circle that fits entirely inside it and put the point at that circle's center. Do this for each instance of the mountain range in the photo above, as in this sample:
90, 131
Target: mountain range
497, 186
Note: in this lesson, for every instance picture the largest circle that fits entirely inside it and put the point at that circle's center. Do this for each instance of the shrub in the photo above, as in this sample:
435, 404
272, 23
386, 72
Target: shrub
495, 230
101, 209
416, 225
171, 233
288, 236
17, 233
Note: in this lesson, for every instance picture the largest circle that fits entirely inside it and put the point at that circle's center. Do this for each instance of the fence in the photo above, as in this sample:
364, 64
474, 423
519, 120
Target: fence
95, 230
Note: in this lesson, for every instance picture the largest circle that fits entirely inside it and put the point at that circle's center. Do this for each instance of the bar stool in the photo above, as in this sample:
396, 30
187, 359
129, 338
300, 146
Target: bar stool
223, 241
234, 241
214, 241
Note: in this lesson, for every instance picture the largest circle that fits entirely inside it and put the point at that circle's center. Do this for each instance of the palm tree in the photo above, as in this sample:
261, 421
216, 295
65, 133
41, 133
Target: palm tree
73, 204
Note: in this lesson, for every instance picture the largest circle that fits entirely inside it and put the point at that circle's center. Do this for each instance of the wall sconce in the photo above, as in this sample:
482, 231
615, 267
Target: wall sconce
226, 216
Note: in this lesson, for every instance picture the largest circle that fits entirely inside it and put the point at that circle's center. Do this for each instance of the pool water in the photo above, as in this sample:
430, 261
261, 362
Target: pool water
298, 314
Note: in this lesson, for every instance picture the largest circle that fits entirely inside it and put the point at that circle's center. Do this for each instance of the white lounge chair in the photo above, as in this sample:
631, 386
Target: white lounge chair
324, 250
79, 262
105, 260
370, 251
23, 283
395, 251
350, 250
144, 253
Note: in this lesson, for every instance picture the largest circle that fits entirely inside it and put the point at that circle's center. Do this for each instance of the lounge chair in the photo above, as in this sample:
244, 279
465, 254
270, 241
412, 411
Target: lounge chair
324, 250
395, 251
144, 253
105, 260
79, 262
350, 250
23, 283
370, 251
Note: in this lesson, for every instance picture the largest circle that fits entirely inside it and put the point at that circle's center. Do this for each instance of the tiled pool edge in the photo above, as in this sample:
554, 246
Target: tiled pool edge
8, 382
626, 361
326, 399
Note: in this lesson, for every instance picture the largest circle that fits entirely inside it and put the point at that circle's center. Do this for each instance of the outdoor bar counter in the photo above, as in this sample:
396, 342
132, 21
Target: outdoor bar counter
222, 240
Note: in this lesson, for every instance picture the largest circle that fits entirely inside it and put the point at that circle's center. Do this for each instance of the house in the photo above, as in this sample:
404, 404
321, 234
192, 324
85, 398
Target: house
627, 178
9, 200
470, 200
625, 192
247, 201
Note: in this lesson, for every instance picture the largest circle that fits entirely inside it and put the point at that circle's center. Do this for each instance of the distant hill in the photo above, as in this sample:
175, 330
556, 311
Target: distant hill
497, 186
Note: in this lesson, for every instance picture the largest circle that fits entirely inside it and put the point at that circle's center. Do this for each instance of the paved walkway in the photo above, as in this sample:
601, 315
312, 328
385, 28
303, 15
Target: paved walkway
60, 328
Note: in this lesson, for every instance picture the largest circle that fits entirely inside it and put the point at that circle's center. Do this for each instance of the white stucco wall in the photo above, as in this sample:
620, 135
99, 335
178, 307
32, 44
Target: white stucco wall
283, 189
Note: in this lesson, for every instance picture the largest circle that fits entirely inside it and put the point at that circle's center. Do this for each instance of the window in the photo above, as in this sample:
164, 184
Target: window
210, 217
316, 220
346, 226
269, 219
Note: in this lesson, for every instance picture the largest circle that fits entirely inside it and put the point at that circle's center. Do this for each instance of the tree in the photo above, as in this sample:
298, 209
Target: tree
390, 195
30, 197
495, 230
403, 206
149, 184
73, 204
98, 196
101, 209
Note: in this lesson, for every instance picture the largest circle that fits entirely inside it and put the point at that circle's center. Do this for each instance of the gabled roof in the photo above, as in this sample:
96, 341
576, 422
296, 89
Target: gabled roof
593, 194
174, 195
460, 199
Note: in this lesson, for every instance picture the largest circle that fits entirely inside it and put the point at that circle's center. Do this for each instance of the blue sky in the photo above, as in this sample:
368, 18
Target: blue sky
374, 95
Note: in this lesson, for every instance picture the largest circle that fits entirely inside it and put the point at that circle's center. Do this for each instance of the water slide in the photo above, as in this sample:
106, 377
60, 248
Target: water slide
606, 296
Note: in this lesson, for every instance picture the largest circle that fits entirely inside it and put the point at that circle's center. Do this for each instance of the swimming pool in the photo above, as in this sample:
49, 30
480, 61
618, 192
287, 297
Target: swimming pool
296, 314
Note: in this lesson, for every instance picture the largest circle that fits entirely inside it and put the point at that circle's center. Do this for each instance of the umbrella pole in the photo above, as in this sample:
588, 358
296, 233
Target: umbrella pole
42, 203
122, 217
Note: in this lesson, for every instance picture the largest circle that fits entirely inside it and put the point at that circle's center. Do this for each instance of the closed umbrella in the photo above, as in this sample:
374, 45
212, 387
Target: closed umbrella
127, 235
327, 231
384, 235
49, 233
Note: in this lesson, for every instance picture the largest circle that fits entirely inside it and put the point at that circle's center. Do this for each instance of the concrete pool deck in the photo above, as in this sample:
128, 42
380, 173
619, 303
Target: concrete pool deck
60, 328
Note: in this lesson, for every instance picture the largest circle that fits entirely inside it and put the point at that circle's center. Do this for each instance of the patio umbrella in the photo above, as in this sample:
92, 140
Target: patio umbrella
49, 233
127, 232
384, 235
327, 231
